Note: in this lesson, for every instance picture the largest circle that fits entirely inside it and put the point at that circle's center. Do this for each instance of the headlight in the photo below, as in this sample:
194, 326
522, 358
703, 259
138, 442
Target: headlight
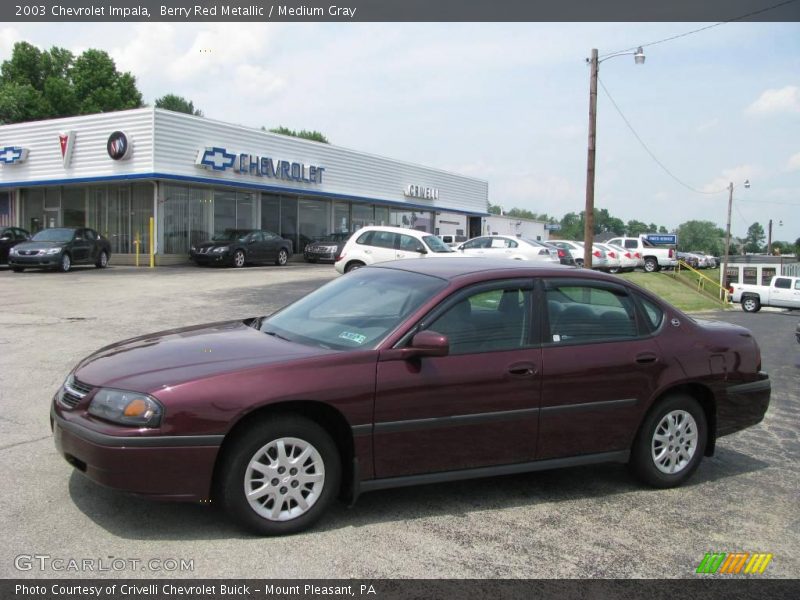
126, 408
192, 249
13, 250
221, 249
53, 250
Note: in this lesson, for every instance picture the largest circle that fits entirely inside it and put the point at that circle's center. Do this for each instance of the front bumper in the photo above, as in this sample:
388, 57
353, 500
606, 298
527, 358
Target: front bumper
39, 260
745, 405
319, 256
166, 468
211, 258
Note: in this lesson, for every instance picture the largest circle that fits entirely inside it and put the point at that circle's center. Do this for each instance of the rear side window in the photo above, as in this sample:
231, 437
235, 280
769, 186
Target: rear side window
365, 238
653, 314
784, 284
584, 313
384, 239
631, 244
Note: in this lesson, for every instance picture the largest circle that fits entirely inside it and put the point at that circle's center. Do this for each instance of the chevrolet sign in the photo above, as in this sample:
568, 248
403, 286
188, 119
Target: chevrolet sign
216, 158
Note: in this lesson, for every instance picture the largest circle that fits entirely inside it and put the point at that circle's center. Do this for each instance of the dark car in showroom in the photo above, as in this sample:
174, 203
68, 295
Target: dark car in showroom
239, 247
10, 237
409, 372
61, 248
325, 249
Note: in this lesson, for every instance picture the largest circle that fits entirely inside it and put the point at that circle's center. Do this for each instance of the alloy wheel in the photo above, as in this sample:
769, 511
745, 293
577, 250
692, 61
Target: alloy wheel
66, 263
674, 442
238, 259
284, 479
283, 257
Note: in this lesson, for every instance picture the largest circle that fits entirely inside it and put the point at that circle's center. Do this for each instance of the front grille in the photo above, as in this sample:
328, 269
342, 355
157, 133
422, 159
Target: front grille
29, 252
73, 392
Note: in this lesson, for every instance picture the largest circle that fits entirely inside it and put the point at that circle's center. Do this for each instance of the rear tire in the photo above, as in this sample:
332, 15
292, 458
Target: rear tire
292, 470
751, 304
352, 266
670, 443
651, 265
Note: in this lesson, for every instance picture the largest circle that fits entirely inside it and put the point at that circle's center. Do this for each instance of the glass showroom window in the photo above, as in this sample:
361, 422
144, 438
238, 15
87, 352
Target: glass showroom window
187, 217
363, 215
32, 206
271, 212
341, 217
315, 219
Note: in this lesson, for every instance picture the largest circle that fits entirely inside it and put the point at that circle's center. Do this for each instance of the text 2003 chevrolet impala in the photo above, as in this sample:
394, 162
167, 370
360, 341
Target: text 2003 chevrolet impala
410, 372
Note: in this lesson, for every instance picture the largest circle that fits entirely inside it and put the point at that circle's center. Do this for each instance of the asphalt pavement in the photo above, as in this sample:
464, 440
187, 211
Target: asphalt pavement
582, 522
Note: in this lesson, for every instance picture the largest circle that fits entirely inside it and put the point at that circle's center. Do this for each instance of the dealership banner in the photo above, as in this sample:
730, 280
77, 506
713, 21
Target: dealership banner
394, 589
401, 10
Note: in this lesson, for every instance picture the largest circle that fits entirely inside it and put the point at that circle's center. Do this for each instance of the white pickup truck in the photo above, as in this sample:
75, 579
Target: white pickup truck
782, 291
655, 257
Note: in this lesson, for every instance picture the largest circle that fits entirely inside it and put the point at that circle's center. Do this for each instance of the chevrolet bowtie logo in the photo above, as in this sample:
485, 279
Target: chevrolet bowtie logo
215, 158
12, 154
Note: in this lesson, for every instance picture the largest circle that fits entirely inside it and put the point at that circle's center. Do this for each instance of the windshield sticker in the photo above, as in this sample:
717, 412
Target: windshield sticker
353, 337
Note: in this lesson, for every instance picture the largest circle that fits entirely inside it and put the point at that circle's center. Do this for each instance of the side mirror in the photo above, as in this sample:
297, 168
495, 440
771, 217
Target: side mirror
421, 250
430, 343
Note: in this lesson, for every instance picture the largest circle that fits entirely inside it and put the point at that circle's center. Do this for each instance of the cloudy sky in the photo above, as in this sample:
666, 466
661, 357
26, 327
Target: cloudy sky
507, 103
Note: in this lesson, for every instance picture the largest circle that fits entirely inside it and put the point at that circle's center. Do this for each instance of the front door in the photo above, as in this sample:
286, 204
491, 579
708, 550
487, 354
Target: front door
476, 407
81, 247
598, 371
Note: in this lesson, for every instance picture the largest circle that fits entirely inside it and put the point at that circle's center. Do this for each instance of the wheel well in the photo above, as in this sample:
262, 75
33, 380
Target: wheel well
705, 397
324, 415
352, 262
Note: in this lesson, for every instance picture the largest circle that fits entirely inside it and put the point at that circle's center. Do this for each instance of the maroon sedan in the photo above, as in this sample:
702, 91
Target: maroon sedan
409, 372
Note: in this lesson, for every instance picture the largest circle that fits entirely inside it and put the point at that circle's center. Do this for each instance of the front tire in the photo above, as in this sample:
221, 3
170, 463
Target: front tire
238, 259
751, 304
670, 443
280, 475
651, 265
283, 257
102, 260
66, 263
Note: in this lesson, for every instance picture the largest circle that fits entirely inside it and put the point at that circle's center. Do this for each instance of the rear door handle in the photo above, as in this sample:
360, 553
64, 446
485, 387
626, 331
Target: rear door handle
646, 358
522, 369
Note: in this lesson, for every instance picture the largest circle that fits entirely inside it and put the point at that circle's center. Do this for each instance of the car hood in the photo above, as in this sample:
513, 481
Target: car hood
39, 245
152, 362
216, 244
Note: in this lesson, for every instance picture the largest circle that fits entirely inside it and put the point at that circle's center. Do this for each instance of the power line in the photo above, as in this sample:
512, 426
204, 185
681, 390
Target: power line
681, 35
653, 156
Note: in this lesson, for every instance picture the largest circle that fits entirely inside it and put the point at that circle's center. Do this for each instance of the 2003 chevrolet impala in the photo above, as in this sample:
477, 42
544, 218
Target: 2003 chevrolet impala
410, 372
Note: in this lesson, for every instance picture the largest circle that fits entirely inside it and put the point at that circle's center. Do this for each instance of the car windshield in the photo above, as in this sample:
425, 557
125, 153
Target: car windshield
354, 312
54, 235
230, 235
436, 244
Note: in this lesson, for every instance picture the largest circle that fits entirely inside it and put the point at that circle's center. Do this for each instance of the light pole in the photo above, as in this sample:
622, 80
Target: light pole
769, 237
724, 274
588, 217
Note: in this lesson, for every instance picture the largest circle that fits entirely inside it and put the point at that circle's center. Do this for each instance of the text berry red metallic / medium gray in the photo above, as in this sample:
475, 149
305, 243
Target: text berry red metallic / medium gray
410, 372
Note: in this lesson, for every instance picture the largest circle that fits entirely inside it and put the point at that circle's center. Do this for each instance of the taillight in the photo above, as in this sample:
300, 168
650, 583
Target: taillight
671, 253
627, 255
561, 253
340, 257
596, 253
612, 255
638, 255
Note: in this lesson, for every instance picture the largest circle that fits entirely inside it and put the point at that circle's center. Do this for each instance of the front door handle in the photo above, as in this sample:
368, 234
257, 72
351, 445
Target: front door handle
646, 358
522, 369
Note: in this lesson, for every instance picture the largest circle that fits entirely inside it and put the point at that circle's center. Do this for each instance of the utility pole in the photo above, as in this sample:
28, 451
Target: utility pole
769, 238
588, 216
727, 241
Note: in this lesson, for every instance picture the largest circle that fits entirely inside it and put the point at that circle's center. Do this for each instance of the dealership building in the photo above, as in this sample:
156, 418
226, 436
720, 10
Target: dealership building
196, 177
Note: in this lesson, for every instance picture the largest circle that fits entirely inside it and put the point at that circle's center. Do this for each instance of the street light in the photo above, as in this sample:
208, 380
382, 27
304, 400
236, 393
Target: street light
588, 220
769, 237
724, 274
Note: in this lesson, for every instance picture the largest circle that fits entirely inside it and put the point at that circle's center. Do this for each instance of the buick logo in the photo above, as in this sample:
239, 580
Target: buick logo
119, 146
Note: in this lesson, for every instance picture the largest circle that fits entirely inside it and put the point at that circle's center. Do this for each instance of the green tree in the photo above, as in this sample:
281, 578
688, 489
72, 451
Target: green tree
700, 235
44, 84
781, 247
572, 226
754, 240
635, 228
314, 136
494, 209
178, 104
521, 213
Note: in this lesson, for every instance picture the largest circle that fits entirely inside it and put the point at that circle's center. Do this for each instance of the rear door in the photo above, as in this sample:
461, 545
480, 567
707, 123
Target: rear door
409, 247
382, 247
598, 370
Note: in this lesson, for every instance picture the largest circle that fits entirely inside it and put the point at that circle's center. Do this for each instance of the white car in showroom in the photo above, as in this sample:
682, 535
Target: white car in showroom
506, 246
375, 244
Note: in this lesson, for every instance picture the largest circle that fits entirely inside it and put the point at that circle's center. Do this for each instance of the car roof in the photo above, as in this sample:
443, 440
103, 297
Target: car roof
461, 266
393, 229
